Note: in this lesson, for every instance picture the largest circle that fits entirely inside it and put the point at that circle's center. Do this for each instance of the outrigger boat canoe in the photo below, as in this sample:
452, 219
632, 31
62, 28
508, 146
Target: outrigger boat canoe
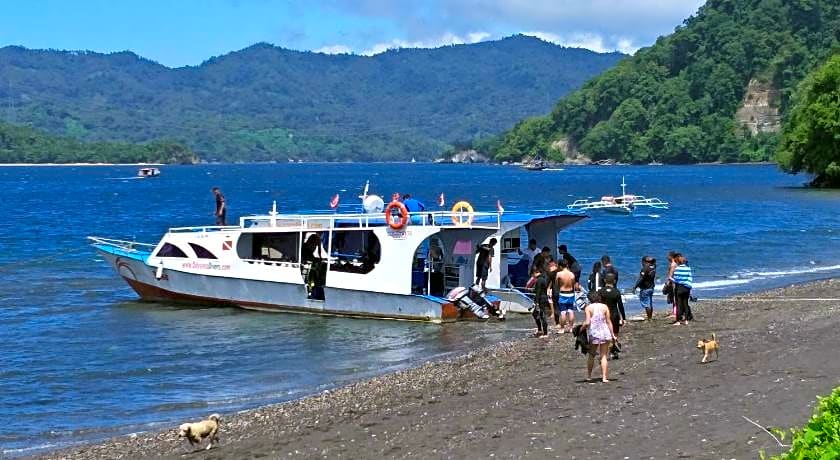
623, 204
380, 263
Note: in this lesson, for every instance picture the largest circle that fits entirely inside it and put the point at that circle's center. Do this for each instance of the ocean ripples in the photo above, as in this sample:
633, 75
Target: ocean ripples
82, 359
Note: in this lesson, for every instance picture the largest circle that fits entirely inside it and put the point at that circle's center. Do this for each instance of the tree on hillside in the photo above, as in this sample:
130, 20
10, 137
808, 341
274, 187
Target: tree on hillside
678, 100
811, 135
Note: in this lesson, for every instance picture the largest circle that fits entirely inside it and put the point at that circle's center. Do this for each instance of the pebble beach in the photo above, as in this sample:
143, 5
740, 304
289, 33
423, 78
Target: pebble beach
528, 398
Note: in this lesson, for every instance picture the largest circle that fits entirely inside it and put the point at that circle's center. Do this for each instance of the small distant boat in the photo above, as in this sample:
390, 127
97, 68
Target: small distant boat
148, 172
413, 160
535, 164
623, 204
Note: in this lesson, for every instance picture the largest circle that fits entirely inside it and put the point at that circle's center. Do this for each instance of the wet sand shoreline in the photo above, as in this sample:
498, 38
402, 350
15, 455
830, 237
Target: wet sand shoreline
527, 398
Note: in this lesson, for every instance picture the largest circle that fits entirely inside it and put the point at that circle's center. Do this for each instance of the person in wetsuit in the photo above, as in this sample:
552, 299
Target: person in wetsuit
608, 267
595, 281
221, 207
484, 261
541, 304
313, 266
611, 296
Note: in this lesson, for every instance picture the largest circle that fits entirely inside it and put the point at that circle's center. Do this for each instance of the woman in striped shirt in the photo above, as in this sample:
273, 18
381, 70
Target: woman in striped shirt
682, 289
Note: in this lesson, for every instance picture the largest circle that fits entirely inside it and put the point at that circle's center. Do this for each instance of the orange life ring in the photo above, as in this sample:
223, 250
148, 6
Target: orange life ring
461, 209
396, 225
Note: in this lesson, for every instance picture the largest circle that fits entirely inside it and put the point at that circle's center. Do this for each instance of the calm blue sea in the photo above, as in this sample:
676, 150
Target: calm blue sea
81, 359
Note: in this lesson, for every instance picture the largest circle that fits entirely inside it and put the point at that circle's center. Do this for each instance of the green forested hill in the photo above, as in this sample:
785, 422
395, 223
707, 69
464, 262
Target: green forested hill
23, 144
676, 101
269, 103
810, 139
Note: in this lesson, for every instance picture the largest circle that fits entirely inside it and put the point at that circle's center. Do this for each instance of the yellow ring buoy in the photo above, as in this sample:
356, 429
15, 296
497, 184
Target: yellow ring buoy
458, 211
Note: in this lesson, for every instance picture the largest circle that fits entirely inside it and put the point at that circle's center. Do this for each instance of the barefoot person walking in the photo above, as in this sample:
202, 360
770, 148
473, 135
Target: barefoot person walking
682, 279
668, 290
645, 283
600, 332
611, 296
564, 299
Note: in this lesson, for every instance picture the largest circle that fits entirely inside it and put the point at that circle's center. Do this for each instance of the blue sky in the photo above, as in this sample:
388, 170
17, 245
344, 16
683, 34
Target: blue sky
187, 32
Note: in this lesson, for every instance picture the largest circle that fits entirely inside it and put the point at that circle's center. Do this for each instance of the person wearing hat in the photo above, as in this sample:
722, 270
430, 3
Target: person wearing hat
645, 283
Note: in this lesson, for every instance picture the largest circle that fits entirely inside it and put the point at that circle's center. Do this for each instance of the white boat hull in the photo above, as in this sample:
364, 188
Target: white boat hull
176, 286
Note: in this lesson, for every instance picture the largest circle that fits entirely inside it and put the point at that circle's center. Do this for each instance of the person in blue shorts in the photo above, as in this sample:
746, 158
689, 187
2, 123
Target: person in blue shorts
564, 289
645, 284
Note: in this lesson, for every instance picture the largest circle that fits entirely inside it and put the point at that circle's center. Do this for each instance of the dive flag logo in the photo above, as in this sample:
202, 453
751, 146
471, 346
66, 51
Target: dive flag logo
499, 207
441, 201
227, 245
334, 201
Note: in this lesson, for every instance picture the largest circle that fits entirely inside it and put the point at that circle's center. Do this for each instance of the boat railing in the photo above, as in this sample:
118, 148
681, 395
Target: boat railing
205, 228
363, 220
125, 245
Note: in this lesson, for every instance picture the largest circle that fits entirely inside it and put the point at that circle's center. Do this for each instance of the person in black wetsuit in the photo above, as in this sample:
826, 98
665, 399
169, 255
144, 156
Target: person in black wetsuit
608, 267
596, 282
221, 207
611, 296
484, 261
541, 301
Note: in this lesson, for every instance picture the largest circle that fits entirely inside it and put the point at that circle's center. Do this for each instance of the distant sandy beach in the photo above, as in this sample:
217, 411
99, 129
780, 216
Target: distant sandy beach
527, 398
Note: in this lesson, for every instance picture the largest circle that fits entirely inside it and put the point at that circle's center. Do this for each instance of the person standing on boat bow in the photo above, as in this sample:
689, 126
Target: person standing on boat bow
221, 208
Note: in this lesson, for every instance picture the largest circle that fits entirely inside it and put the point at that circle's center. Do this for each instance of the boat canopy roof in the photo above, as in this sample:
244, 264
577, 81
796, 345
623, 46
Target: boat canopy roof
315, 220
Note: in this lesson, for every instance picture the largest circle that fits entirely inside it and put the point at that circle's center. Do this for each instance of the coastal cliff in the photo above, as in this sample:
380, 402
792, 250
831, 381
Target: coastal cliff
759, 110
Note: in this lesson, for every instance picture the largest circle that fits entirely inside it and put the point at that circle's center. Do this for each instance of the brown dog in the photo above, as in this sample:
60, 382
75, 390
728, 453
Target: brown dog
708, 346
196, 432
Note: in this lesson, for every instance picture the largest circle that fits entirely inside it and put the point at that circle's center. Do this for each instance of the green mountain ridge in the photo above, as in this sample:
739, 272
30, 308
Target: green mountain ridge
676, 101
267, 103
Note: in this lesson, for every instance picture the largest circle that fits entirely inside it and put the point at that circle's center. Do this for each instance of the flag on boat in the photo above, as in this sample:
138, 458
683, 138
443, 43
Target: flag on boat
334, 201
499, 207
441, 201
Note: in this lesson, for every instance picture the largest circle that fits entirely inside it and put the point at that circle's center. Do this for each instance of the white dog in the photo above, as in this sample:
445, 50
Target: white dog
196, 432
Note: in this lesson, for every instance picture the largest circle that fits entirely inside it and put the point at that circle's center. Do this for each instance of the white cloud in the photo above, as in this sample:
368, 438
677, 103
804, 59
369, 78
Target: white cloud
334, 49
600, 25
447, 38
590, 41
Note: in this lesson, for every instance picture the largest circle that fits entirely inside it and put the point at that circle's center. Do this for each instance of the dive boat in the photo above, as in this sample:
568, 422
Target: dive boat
148, 172
534, 164
381, 262
622, 204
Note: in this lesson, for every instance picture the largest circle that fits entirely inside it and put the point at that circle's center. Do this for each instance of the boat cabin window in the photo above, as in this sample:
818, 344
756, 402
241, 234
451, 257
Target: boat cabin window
355, 251
201, 252
280, 247
170, 250
511, 243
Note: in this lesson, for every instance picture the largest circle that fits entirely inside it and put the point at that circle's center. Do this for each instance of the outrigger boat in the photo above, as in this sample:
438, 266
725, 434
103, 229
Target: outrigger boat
379, 263
623, 204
